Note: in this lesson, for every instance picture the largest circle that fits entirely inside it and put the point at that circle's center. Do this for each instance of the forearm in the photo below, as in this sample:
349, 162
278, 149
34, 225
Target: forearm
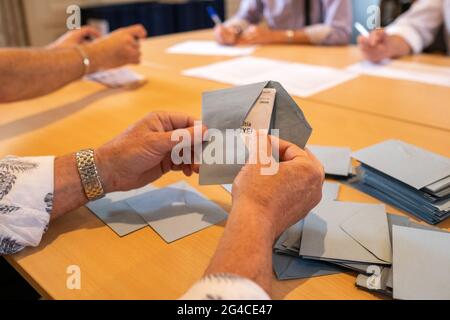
299, 37
29, 73
245, 248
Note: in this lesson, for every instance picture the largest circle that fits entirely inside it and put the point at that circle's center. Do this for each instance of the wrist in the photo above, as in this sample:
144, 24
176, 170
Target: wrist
103, 161
255, 218
94, 55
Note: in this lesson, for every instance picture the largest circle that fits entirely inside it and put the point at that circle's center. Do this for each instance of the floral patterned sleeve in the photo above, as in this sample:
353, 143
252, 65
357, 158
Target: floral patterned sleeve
26, 200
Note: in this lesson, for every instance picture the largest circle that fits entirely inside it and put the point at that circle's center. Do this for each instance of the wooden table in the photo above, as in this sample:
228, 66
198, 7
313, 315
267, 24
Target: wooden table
141, 265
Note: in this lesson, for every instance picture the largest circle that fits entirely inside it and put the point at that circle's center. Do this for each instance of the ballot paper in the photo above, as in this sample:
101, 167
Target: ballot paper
403, 70
298, 79
227, 109
335, 160
421, 264
117, 214
177, 211
116, 78
209, 48
346, 231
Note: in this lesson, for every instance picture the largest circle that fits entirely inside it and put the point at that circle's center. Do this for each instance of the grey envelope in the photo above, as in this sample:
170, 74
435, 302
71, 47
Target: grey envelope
288, 267
409, 164
227, 109
347, 232
330, 192
336, 160
421, 264
177, 211
117, 214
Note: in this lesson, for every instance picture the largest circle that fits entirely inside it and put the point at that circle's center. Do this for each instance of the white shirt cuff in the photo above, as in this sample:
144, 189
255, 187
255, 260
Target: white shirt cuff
411, 36
26, 201
225, 287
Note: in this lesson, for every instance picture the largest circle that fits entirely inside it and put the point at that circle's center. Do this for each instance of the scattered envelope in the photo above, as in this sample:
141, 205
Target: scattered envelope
421, 264
288, 267
177, 211
407, 163
347, 232
227, 109
117, 214
336, 160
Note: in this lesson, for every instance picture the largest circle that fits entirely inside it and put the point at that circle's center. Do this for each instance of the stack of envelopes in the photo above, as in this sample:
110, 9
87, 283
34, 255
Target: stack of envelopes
287, 263
392, 255
336, 161
407, 177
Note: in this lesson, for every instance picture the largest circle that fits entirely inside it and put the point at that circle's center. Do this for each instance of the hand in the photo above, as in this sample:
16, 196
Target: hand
376, 47
284, 198
117, 49
142, 153
226, 35
258, 34
75, 37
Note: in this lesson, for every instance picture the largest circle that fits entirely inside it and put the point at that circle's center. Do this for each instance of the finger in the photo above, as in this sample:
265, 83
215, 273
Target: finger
187, 170
317, 163
89, 31
287, 150
180, 137
137, 31
175, 120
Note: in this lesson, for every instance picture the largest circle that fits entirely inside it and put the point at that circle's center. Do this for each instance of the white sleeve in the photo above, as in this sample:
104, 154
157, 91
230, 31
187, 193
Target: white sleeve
225, 287
26, 201
420, 24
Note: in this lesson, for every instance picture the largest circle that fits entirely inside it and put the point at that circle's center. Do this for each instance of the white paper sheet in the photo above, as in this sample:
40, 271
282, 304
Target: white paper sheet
298, 79
116, 78
402, 70
209, 48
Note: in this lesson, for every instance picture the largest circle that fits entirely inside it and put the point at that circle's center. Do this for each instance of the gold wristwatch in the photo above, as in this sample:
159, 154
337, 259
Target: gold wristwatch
89, 175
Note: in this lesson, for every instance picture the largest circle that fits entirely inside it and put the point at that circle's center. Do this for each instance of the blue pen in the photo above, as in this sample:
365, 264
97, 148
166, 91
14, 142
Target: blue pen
214, 16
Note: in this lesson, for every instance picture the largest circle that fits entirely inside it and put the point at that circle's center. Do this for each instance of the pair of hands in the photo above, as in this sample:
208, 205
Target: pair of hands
380, 46
282, 199
254, 34
119, 48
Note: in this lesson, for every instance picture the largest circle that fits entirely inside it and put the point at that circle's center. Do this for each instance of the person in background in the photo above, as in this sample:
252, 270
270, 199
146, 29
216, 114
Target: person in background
411, 33
318, 22
29, 73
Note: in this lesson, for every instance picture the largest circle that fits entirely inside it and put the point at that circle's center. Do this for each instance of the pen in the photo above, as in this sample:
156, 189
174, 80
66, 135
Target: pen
363, 31
213, 15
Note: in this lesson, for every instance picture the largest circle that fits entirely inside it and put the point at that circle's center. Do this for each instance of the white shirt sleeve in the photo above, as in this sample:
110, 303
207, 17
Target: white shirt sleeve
225, 287
420, 24
26, 201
